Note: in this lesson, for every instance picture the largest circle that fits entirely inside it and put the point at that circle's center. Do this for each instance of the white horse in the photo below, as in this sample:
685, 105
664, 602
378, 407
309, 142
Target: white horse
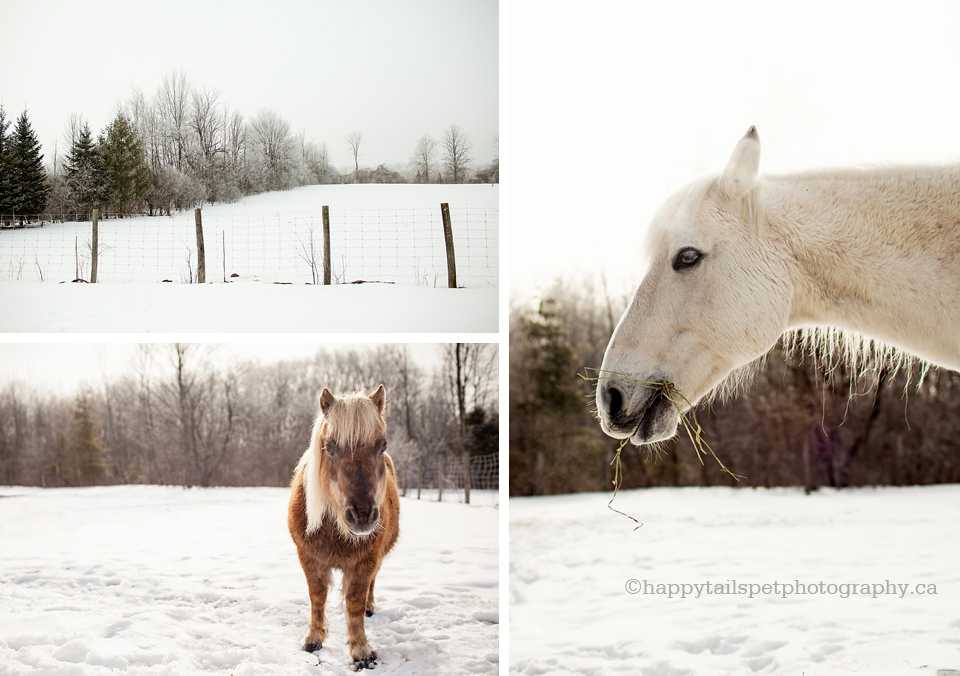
737, 261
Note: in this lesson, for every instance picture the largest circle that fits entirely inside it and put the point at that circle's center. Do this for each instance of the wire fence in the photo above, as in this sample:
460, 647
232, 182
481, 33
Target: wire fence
434, 476
399, 246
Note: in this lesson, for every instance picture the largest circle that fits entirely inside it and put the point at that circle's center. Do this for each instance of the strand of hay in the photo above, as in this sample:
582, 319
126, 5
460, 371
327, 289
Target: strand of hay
690, 423
617, 480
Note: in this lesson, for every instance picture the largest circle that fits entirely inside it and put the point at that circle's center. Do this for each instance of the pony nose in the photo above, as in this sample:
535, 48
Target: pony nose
360, 518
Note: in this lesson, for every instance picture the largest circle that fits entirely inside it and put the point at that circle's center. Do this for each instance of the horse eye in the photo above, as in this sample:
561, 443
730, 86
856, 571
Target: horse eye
331, 448
383, 448
687, 258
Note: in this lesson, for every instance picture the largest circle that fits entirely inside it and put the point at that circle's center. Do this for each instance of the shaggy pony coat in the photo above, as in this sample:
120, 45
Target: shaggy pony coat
344, 512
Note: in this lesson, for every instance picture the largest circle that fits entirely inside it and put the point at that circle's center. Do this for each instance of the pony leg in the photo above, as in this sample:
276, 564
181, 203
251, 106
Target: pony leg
371, 605
318, 581
356, 587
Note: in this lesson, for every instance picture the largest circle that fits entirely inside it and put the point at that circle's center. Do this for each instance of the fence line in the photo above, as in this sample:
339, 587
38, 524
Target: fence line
401, 246
445, 474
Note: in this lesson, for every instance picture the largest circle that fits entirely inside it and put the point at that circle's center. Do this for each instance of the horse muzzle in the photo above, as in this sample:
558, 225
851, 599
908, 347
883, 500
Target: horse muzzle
629, 410
361, 522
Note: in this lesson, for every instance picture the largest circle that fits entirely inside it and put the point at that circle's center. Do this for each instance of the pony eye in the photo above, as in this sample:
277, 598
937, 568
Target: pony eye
687, 258
331, 448
383, 448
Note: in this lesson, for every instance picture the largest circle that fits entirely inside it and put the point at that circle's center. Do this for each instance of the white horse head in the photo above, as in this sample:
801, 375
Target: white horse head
715, 298
866, 260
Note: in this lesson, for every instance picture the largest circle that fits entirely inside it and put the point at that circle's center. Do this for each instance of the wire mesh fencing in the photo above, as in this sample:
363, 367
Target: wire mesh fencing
432, 477
399, 246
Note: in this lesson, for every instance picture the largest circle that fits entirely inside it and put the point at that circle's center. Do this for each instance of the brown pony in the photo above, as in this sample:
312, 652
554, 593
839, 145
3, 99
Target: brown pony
344, 512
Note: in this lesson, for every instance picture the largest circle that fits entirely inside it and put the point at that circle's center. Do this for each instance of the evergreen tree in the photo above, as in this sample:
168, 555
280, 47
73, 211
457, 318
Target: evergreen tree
4, 163
28, 188
553, 441
84, 171
126, 178
87, 449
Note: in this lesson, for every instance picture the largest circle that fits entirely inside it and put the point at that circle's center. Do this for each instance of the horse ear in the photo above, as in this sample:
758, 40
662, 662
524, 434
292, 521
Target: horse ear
744, 165
326, 400
379, 398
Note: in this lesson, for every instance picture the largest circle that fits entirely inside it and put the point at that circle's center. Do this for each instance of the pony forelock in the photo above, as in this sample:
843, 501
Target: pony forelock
353, 419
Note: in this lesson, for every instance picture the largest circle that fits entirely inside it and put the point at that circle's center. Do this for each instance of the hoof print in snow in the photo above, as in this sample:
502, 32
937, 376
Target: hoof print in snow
312, 647
366, 662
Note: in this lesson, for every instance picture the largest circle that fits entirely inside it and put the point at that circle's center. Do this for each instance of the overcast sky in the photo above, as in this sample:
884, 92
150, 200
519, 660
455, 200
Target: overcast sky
391, 70
614, 106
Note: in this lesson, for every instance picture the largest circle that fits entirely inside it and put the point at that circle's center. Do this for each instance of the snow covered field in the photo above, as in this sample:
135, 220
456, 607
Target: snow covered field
159, 580
273, 244
244, 307
572, 562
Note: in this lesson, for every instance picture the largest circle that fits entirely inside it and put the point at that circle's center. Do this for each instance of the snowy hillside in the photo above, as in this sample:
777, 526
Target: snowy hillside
263, 256
572, 562
156, 580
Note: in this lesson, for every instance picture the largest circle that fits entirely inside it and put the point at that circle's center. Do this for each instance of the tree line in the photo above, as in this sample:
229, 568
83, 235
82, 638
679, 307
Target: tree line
177, 418
803, 421
184, 146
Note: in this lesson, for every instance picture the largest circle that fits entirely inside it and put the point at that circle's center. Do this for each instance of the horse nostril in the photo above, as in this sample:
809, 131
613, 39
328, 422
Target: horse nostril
350, 514
374, 515
616, 402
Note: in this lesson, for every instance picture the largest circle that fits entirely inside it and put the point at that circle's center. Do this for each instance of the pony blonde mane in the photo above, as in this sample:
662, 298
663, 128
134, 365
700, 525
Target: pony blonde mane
351, 419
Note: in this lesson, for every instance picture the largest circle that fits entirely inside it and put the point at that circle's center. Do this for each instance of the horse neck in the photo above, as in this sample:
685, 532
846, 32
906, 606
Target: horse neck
874, 251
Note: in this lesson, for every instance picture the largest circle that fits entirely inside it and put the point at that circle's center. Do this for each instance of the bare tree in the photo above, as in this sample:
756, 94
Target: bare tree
424, 156
272, 139
457, 147
173, 101
354, 139
206, 125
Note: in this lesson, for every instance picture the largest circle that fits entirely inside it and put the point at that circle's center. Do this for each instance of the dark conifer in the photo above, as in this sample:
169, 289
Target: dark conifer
24, 163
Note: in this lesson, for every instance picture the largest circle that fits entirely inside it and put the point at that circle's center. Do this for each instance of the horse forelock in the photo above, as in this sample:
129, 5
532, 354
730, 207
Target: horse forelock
354, 420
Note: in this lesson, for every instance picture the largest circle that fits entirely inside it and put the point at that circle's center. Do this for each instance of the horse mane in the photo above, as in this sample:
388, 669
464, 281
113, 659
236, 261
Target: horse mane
350, 419
309, 467
830, 348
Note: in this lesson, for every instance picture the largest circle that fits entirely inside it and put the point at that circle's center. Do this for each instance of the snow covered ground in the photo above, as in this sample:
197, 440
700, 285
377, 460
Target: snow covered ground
244, 307
572, 562
159, 580
268, 249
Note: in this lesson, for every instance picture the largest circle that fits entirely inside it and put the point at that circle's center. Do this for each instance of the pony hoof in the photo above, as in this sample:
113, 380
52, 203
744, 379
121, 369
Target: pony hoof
369, 613
312, 647
366, 662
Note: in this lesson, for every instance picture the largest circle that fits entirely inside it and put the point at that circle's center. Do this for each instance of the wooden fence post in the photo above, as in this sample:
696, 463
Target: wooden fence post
95, 246
448, 238
440, 477
201, 257
419, 475
326, 245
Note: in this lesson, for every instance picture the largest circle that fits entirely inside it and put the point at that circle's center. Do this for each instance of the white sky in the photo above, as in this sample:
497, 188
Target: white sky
391, 70
614, 106
63, 368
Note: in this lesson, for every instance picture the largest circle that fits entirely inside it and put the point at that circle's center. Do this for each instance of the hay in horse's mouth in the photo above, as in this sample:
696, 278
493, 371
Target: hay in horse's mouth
664, 389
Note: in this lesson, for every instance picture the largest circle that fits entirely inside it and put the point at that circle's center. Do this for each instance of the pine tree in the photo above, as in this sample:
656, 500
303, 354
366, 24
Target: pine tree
84, 171
28, 181
126, 178
87, 449
4, 163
